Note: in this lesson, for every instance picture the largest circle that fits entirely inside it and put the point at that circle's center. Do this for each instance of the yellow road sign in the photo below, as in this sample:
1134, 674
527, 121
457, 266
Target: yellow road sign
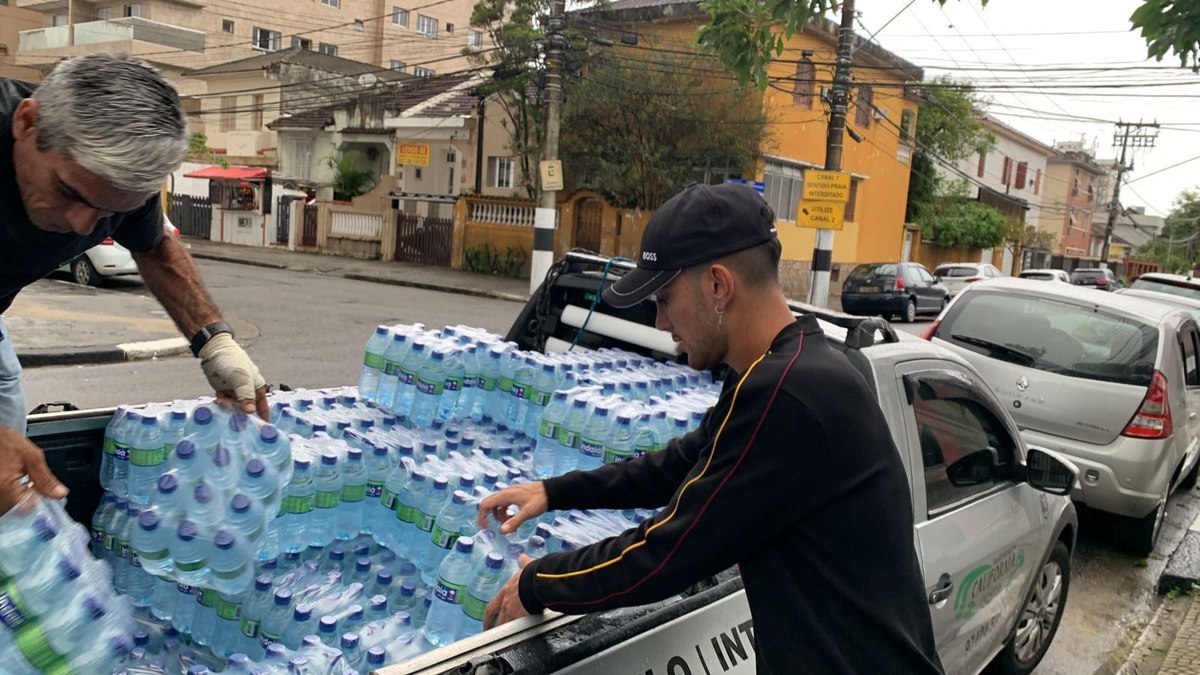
826, 186
414, 154
820, 214
552, 178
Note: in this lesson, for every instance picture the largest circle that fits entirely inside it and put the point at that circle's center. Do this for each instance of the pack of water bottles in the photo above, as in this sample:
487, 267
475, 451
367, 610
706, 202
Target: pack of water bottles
58, 613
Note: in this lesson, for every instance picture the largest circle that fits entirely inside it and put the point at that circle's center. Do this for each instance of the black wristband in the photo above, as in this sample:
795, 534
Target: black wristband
205, 334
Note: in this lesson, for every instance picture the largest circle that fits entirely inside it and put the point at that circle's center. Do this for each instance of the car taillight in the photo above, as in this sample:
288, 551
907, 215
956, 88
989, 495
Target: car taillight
1153, 417
927, 334
1102, 282
972, 279
107, 241
899, 286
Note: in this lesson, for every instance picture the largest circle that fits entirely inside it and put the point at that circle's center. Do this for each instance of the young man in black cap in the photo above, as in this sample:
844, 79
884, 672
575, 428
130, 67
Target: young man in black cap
792, 475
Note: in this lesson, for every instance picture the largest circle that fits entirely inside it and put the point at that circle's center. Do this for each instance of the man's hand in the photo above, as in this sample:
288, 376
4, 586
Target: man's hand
506, 606
19, 458
529, 498
233, 375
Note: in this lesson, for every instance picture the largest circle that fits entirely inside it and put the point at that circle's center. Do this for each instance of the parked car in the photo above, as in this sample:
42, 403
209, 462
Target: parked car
1112, 383
1046, 275
956, 276
1171, 284
108, 259
893, 289
1096, 277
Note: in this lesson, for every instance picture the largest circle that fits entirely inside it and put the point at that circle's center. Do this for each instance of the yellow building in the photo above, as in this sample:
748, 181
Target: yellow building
13, 20
882, 114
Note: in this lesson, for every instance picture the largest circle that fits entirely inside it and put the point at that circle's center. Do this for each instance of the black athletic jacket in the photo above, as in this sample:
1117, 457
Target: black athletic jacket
793, 477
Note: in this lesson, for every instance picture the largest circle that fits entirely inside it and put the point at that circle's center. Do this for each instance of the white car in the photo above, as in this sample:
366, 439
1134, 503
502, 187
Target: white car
1046, 275
956, 276
108, 259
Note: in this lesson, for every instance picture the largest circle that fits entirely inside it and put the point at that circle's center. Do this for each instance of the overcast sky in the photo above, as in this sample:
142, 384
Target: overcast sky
1015, 44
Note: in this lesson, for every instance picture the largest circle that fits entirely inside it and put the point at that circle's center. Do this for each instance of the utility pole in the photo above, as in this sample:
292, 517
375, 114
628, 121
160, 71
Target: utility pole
839, 103
543, 222
1128, 135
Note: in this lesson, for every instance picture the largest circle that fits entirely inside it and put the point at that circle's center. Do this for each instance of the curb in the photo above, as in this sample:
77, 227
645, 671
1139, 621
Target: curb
237, 261
494, 295
1183, 566
80, 356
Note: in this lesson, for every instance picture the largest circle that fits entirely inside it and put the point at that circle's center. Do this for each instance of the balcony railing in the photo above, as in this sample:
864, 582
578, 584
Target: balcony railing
115, 30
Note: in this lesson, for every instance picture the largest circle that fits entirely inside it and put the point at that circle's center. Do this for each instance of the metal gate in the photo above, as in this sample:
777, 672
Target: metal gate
192, 215
283, 220
309, 236
589, 215
425, 240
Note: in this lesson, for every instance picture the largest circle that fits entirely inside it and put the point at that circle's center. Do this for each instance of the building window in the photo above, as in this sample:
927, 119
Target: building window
256, 115
1006, 173
332, 3
1037, 181
399, 66
106, 14
3, 49
427, 27
1022, 174
500, 172
782, 185
863, 107
907, 132
228, 113
422, 72
133, 10
802, 89
400, 17
474, 39
302, 43
327, 49
982, 164
1075, 186
265, 40
450, 29
852, 200
226, 26
59, 20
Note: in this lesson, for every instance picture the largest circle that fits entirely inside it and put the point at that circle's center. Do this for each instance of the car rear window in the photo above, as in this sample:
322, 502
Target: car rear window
1042, 276
1054, 336
1162, 286
1080, 275
873, 271
958, 271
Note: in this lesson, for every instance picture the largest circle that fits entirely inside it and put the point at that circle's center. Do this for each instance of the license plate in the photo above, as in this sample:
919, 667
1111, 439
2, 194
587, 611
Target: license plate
868, 289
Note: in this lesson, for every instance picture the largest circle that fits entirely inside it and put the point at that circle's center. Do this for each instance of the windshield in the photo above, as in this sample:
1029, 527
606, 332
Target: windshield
1163, 286
1054, 336
873, 271
1087, 275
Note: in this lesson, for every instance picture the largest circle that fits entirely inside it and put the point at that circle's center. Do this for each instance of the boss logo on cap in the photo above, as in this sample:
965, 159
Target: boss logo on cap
649, 256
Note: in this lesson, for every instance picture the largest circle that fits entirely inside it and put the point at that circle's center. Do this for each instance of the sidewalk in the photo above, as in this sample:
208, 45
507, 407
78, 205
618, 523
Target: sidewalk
55, 322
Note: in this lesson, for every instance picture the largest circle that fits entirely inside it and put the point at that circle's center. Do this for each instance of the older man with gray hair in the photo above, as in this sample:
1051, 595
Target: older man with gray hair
83, 157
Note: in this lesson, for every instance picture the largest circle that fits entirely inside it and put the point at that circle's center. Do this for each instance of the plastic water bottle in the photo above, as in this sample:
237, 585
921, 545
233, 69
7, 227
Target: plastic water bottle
389, 380
489, 378
303, 623
205, 620
376, 658
426, 514
376, 514
408, 511
570, 431
150, 542
189, 465
484, 586
298, 503
229, 563
354, 490
203, 429
226, 632
353, 656
548, 450
328, 481
107, 459
368, 381
246, 518
444, 621
412, 363
619, 445
591, 443
521, 390
100, 520
431, 382
456, 518
259, 481
327, 630
472, 381
122, 446
140, 583
260, 600
203, 508
174, 428
146, 457
452, 386
544, 384
274, 447
185, 608
276, 619
118, 544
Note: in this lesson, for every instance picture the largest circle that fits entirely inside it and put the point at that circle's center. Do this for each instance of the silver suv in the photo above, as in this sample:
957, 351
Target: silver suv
1109, 380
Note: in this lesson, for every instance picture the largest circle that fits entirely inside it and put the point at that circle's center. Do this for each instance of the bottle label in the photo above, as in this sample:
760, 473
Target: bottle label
152, 555
122, 549
110, 542
110, 445
448, 592
505, 384
424, 386
540, 398
407, 376
453, 384
387, 498
591, 448
229, 574
404, 513
169, 449
12, 612
373, 361
640, 450
33, 645
328, 499
135, 561
425, 520
375, 491
249, 627
442, 538
206, 597
121, 452
227, 610
189, 567
548, 429
184, 588
488, 383
472, 382
298, 504
266, 638
567, 439
613, 455
98, 537
388, 367
154, 457
473, 606
353, 493
518, 391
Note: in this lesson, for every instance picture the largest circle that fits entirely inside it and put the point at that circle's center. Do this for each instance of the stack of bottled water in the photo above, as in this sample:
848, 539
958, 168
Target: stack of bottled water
58, 612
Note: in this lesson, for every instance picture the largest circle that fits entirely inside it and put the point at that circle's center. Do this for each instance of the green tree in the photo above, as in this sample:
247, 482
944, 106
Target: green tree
199, 151
348, 180
954, 219
1171, 26
1176, 249
638, 129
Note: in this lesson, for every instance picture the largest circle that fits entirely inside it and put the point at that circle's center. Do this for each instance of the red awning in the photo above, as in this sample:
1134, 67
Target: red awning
232, 173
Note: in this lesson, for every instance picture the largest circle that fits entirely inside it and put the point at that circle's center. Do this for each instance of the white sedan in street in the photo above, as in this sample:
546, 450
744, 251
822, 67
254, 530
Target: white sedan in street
108, 259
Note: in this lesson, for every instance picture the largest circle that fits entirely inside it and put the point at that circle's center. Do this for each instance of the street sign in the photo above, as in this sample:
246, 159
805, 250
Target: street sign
820, 214
552, 178
826, 186
416, 155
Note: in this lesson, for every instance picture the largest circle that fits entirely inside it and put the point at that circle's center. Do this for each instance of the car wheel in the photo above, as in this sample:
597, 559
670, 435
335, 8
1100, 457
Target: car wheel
1140, 534
1189, 481
910, 311
84, 272
1040, 615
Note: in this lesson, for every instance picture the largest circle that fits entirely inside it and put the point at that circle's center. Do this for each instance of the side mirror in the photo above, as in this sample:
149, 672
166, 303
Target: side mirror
975, 468
1048, 473
937, 279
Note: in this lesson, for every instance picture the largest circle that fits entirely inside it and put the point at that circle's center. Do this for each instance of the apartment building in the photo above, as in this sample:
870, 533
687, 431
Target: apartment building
1069, 203
183, 35
13, 20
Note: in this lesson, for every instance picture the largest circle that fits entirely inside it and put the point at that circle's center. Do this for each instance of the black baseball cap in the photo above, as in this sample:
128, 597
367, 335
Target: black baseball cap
702, 223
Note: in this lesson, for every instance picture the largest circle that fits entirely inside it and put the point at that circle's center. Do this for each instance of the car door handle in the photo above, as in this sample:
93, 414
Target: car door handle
942, 591
1191, 416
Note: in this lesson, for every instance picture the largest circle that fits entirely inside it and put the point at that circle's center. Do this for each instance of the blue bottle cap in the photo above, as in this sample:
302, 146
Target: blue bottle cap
418, 477
356, 613
300, 464
141, 638
381, 330
494, 561
94, 608
185, 450
354, 455
203, 493
466, 481
187, 530
148, 520
221, 457
276, 650
147, 420
383, 578
298, 663
408, 588
376, 656
134, 510
303, 612
402, 618
362, 565
178, 415
240, 660
240, 502
270, 433
263, 582
283, 597
238, 422
379, 450
328, 624
202, 415
68, 570
362, 550
459, 497
223, 539
350, 641
515, 551
255, 467
440, 483
319, 427
378, 602
337, 553
464, 545
198, 669
329, 459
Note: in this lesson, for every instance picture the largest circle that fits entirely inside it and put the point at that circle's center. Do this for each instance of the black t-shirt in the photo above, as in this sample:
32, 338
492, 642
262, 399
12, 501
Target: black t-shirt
28, 253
